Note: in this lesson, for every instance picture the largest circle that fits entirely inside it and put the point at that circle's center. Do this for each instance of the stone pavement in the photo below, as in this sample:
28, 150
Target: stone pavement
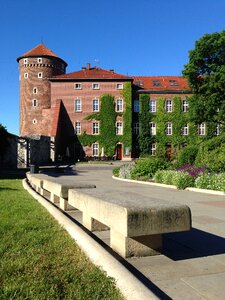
192, 265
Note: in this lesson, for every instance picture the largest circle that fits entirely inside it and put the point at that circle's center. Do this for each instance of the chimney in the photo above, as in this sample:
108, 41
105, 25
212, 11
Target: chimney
88, 66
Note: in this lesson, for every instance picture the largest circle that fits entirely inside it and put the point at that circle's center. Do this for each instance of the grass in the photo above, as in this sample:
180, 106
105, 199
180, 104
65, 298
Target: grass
38, 258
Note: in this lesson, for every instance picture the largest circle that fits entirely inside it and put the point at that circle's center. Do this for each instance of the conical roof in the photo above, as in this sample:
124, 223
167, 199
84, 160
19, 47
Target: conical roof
40, 51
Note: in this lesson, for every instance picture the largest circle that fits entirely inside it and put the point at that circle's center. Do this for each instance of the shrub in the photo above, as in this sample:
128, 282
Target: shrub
187, 155
116, 171
182, 180
211, 181
192, 170
146, 168
164, 176
125, 170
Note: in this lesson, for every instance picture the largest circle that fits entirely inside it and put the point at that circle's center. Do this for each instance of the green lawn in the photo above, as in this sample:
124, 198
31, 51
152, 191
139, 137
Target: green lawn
38, 259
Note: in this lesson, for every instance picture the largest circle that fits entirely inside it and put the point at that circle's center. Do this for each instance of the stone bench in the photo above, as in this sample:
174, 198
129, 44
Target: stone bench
136, 227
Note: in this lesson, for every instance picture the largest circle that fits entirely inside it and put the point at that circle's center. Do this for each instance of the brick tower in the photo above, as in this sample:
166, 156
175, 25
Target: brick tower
36, 67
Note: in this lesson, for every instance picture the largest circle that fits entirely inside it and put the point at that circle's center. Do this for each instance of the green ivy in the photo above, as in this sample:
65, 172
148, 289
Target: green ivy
144, 119
127, 117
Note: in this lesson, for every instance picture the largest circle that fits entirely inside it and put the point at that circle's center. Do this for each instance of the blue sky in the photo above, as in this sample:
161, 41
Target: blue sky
145, 37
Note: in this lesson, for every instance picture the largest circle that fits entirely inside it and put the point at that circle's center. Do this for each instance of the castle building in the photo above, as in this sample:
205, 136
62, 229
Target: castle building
66, 108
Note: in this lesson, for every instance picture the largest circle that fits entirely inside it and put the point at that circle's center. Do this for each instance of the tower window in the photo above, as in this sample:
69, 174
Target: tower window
34, 103
35, 90
40, 75
34, 121
39, 60
25, 75
25, 61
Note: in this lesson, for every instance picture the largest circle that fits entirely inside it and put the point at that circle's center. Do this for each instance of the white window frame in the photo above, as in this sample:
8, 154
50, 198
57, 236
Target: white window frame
218, 130
95, 128
34, 102
40, 74
35, 90
184, 105
152, 105
95, 149
95, 104
39, 60
77, 128
153, 149
95, 86
119, 128
136, 106
119, 86
77, 86
201, 129
169, 128
77, 105
119, 105
185, 130
136, 128
25, 75
169, 105
25, 61
34, 121
152, 127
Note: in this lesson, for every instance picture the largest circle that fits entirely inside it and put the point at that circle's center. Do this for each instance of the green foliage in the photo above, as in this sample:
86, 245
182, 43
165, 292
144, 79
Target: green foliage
164, 176
181, 180
187, 155
127, 117
206, 76
116, 171
144, 119
125, 170
4, 143
214, 182
145, 168
211, 154
39, 260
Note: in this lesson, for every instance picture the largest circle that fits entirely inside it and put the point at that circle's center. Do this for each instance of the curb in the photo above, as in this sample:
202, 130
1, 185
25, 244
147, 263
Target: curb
129, 285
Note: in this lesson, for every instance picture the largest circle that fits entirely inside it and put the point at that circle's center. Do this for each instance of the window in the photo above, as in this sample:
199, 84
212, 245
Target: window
152, 128
25, 61
78, 86
119, 86
184, 105
34, 103
35, 90
95, 149
218, 129
153, 149
95, 128
168, 106
95, 86
152, 105
34, 121
173, 82
40, 74
119, 105
25, 75
201, 129
136, 106
156, 83
185, 130
169, 128
78, 106
136, 128
39, 60
95, 104
77, 128
119, 128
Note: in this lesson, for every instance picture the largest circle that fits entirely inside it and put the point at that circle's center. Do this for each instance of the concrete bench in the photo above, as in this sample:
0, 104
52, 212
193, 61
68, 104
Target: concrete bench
136, 227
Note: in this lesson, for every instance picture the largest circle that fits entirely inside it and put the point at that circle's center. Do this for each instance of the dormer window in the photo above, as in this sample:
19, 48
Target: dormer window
39, 60
173, 82
156, 83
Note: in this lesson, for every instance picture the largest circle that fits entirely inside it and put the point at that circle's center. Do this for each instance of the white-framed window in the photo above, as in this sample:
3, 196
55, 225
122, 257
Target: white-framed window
218, 129
119, 86
119, 105
169, 105
77, 86
136, 128
152, 105
34, 121
35, 90
25, 75
119, 128
95, 128
184, 105
39, 60
95, 86
25, 61
185, 130
77, 105
95, 149
169, 128
201, 129
152, 126
136, 106
34, 103
153, 149
77, 128
95, 104
40, 75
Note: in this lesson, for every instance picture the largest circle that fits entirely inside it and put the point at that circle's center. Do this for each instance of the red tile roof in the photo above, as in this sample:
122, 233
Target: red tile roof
40, 50
92, 73
161, 83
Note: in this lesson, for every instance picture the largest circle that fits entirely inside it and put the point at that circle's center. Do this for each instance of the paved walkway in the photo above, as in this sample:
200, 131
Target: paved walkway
192, 265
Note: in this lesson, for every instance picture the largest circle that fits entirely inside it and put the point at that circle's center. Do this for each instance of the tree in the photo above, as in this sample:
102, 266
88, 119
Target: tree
206, 76
4, 143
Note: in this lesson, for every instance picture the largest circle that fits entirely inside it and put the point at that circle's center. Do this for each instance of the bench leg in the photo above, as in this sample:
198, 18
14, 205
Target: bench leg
136, 246
92, 224
53, 198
